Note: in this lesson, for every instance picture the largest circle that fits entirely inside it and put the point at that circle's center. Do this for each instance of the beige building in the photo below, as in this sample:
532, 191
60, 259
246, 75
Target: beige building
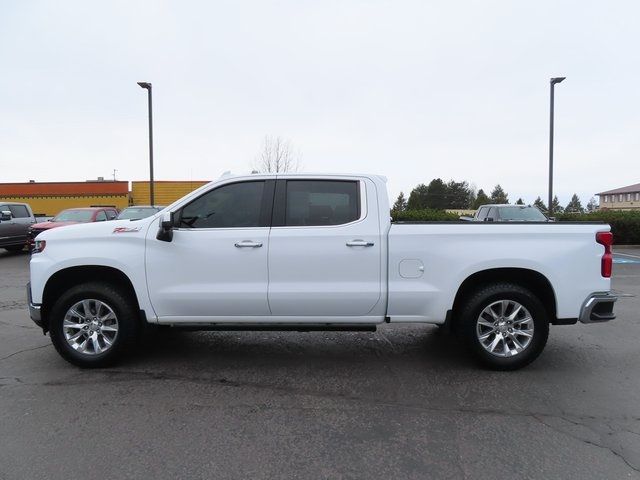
624, 198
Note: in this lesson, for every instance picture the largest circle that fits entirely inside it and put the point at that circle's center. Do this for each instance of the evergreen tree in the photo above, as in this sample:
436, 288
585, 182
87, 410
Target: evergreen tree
555, 205
401, 203
540, 204
481, 199
418, 198
592, 206
574, 206
458, 195
437, 194
520, 202
498, 195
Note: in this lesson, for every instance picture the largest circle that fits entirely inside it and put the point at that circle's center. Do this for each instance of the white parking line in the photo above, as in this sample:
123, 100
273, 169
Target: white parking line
627, 255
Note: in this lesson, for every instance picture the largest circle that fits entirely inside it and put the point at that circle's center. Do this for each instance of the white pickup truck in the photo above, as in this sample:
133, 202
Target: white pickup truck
315, 252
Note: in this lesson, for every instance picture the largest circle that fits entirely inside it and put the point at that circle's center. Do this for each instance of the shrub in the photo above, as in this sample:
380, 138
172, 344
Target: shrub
425, 215
625, 225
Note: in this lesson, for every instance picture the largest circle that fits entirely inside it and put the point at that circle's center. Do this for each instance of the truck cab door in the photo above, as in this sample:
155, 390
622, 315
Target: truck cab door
325, 249
214, 269
10, 231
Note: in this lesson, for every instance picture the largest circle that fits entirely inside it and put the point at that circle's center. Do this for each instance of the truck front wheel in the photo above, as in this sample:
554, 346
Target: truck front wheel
505, 325
93, 324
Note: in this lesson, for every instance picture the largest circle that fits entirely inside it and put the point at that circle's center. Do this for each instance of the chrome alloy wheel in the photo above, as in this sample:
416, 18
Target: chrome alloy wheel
505, 328
90, 327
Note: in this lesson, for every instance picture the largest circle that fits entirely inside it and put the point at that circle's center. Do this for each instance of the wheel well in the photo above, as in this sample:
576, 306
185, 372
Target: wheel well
529, 279
70, 277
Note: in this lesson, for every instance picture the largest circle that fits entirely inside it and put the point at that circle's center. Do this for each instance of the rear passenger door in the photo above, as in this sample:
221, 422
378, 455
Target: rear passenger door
10, 231
22, 218
324, 249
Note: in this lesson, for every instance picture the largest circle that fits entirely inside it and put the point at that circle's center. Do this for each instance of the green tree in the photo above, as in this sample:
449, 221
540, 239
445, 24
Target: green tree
592, 206
498, 195
458, 195
555, 205
437, 194
574, 206
540, 204
481, 199
401, 203
520, 201
418, 198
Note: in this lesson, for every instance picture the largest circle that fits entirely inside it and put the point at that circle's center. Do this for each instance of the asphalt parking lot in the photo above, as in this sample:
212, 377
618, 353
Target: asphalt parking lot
404, 402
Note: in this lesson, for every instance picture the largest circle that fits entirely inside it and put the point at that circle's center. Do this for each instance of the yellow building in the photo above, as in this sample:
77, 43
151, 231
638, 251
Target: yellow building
165, 192
50, 198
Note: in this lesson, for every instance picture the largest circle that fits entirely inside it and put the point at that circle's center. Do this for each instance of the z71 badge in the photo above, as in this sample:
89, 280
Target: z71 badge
126, 229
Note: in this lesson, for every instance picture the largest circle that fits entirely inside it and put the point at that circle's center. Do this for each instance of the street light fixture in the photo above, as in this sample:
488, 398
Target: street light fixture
552, 82
147, 87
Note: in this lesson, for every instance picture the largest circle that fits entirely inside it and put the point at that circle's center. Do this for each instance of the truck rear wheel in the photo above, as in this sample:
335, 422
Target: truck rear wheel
505, 326
93, 324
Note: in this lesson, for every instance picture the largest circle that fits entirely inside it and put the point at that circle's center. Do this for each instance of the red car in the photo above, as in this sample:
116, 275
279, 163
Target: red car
72, 216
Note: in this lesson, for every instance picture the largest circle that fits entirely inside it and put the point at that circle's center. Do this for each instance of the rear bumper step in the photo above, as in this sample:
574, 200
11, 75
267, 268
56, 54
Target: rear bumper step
598, 308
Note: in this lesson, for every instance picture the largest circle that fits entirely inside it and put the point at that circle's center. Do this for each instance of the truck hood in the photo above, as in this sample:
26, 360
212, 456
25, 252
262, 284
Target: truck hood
97, 229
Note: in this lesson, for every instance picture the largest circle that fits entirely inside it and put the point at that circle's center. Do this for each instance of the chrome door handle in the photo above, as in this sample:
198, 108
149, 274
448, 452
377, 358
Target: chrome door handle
248, 243
359, 243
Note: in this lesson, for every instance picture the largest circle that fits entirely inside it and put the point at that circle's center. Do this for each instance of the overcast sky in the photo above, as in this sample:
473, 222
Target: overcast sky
410, 90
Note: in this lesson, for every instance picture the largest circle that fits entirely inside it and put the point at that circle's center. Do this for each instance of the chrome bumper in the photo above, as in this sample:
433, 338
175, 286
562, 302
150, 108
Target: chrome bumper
34, 310
598, 308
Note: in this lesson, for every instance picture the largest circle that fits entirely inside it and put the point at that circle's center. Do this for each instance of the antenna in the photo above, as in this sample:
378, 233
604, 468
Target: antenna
114, 174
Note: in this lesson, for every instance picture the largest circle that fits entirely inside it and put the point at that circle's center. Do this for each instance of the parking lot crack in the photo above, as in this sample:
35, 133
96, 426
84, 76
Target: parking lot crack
23, 351
575, 436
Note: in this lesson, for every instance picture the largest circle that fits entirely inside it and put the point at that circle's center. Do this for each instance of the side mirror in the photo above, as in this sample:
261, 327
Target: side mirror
5, 215
165, 232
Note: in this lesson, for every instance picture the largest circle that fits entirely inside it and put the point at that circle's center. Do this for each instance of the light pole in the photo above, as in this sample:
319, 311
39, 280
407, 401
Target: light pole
552, 82
147, 86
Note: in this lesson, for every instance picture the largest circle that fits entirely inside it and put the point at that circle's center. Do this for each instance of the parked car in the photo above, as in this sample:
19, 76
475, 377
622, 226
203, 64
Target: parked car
72, 216
138, 212
15, 220
509, 213
315, 252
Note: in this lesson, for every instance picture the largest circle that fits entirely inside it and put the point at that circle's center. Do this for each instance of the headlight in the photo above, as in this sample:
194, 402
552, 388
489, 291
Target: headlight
39, 246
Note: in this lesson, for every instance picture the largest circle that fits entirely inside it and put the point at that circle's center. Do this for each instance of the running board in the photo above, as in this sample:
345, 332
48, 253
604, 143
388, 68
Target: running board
275, 328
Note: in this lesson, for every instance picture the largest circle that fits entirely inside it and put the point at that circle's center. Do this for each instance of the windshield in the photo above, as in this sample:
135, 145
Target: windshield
81, 216
522, 214
136, 213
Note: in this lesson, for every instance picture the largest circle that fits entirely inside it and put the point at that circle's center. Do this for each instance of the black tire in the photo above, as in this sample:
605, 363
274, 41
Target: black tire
122, 305
475, 304
14, 248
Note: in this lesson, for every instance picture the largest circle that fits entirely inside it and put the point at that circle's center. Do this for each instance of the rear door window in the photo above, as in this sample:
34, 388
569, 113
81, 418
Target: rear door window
101, 216
321, 202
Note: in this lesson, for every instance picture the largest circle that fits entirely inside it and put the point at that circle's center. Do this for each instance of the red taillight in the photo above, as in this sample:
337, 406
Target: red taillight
606, 239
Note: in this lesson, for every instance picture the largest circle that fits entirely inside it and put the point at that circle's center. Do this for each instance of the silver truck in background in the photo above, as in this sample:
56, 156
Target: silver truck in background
15, 220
